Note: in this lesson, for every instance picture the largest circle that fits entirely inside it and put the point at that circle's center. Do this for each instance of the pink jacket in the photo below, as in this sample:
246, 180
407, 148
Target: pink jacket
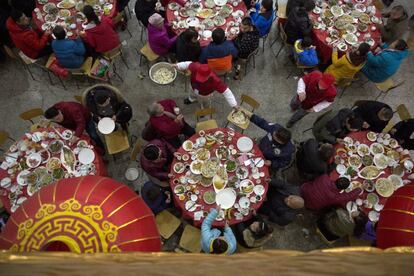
159, 41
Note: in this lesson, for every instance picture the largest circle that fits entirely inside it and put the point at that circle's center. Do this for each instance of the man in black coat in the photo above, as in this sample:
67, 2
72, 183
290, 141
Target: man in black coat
282, 202
292, 4
404, 133
298, 24
144, 9
376, 115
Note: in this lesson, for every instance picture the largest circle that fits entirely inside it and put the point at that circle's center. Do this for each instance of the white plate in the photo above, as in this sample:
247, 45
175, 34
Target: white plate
5, 182
11, 157
192, 22
207, 34
244, 202
373, 216
20, 180
340, 169
220, 2
67, 134
34, 156
259, 190
106, 125
226, 198
86, 156
37, 137
351, 206
259, 162
190, 206
21, 200
245, 144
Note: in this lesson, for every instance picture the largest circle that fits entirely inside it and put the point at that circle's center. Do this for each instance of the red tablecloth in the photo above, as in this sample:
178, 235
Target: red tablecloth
73, 12
206, 207
362, 138
98, 162
204, 42
325, 50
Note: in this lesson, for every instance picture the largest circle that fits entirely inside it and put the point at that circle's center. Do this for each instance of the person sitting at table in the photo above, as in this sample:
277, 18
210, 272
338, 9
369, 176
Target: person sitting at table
168, 122
345, 67
404, 133
99, 34
376, 115
283, 202
156, 159
204, 82
313, 160
188, 47
30, 42
323, 192
246, 42
306, 52
263, 16
144, 9
254, 232
292, 4
386, 63
157, 198
298, 24
332, 127
276, 146
158, 38
396, 26
69, 52
211, 239
103, 102
315, 92
219, 53
74, 116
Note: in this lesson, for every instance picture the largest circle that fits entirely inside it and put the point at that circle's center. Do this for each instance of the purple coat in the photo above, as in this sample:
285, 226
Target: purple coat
159, 40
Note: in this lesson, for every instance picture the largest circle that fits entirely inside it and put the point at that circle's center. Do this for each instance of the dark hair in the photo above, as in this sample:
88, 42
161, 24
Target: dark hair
306, 42
153, 192
247, 21
59, 32
360, 222
220, 246
264, 229
387, 113
283, 135
267, 4
100, 98
189, 34
342, 183
363, 49
401, 45
90, 14
355, 122
326, 151
151, 152
309, 5
218, 36
51, 112
16, 14
360, 55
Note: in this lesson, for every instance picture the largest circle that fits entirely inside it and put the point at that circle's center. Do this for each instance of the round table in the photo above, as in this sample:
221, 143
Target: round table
361, 137
199, 190
325, 49
71, 32
239, 11
11, 169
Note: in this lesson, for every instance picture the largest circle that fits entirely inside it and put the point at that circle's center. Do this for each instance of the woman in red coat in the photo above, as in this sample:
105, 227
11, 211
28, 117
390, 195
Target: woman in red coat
99, 34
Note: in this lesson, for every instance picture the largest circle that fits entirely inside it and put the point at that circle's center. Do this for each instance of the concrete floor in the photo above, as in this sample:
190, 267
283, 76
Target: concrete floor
267, 83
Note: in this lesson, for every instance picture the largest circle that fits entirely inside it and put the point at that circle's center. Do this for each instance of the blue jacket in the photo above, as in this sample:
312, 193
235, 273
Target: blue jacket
307, 57
208, 234
69, 53
384, 65
279, 155
261, 23
218, 51
158, 204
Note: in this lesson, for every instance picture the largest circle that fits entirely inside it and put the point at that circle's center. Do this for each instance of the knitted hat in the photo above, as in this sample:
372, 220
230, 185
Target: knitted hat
156, 19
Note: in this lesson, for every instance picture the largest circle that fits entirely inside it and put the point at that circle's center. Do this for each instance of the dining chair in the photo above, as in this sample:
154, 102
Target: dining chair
249, 101
190, 239
386, 86
147, 53
167, 224
116, 142
30, 114
283, 37
78, 98
244, 63
135, 151
120, 18
403, 112
4, 136
207, 124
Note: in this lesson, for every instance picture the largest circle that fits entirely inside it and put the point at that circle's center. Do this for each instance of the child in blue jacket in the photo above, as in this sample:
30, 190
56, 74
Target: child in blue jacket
69, 52
211, 239
306, 52
263, 16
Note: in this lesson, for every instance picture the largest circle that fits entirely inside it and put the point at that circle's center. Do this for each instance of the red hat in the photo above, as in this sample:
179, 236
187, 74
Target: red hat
203, 73
326, 81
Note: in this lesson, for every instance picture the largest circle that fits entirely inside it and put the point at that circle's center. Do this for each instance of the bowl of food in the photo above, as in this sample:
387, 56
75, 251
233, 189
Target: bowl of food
162, 73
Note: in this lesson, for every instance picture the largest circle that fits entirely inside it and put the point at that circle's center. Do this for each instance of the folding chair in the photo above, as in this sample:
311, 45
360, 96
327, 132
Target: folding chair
30, 114
387, 86
167, 224
245, 62
148, 54
283, 36
403, 112
112, 55
4, 136
208, 124
190, 239
116, 142
136, 150
120, 18
78, 98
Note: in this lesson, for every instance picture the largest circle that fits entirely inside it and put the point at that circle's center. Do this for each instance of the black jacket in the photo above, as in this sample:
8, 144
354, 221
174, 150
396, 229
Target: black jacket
122, 110
245, 236
332, 126
368, 111
298, 25
292, 4
309, 161
26, 6
144, 9
405, 133
247, 42
187, 52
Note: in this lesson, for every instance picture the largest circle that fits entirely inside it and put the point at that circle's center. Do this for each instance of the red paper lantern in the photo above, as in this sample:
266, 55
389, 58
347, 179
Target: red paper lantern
83, 215
396, 223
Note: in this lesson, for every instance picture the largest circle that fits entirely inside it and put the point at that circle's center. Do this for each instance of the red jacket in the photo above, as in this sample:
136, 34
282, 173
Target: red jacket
208, 87
102, 37
75, 116
160, 169
26, 39
322, 192
164, 125
313, 94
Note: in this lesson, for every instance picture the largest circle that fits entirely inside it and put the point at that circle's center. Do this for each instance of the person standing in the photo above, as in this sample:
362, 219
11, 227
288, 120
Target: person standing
298, 24
315, 92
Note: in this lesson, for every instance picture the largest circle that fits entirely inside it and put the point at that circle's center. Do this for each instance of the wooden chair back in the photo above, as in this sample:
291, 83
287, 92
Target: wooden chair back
135, 150
250, 101
114, 53
148, 53
283, 34
4, 136
403, 112
167, 223
204, 112
30, 114
220, 65
190, 239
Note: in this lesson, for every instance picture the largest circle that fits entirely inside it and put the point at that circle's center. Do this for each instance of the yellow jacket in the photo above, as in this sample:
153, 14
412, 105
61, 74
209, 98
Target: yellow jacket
342, 68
